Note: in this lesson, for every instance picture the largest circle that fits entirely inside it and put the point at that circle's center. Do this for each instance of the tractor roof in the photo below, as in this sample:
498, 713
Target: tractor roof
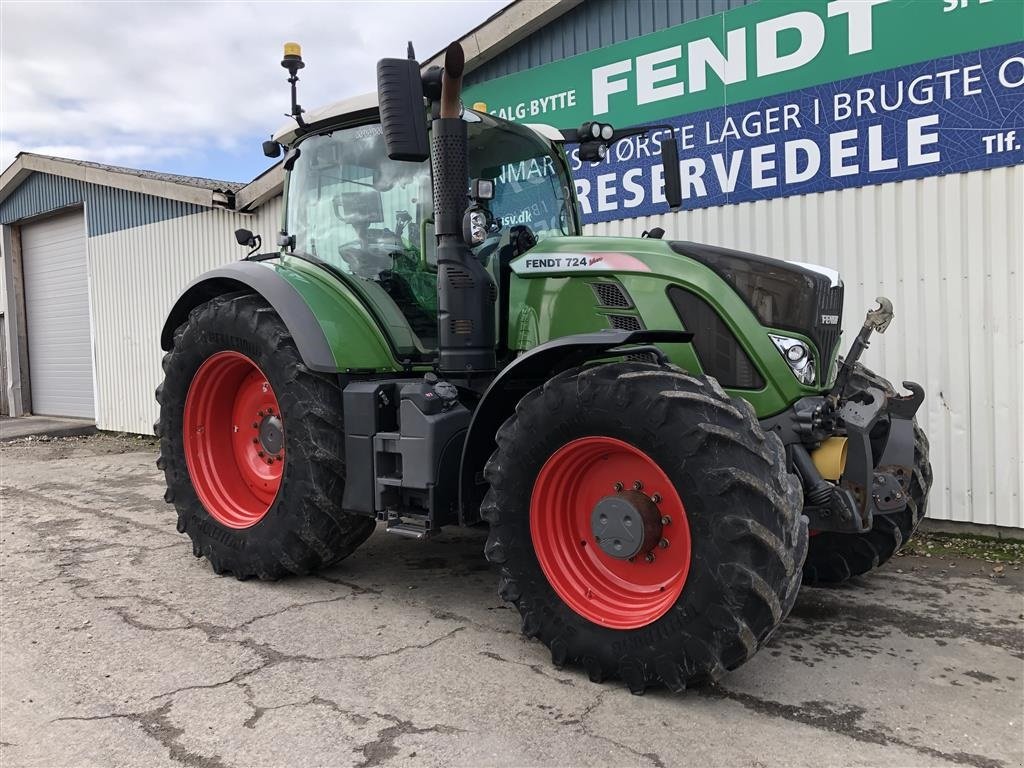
362, 103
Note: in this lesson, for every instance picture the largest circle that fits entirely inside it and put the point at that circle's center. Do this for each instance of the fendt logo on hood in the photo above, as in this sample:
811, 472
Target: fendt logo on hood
577, 262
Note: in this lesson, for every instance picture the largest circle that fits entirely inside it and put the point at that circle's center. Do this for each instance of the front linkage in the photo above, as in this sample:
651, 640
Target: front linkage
862, 440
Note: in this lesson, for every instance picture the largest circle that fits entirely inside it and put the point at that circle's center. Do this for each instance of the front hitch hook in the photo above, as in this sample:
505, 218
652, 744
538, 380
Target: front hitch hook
878, 319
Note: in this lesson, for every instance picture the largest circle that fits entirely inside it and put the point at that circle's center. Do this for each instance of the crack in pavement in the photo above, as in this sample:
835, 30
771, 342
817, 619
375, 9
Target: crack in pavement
105, 516
356, 588
383, 746
819, 715
258, 711
653, 757
536, 668
156, 724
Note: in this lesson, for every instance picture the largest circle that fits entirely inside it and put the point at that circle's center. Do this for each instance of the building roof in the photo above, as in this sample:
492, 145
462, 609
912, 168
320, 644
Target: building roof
516, 21
192, 181
186, 189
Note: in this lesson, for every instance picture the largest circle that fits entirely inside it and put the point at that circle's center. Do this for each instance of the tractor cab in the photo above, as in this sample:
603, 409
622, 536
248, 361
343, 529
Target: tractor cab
370, 217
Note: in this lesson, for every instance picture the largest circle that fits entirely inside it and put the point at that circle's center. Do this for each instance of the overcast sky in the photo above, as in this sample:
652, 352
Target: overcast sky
189, 87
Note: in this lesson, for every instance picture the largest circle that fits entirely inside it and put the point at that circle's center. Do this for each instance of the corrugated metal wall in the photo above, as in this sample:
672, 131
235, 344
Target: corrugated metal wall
110, 209
136, 275
948, 251
594, 24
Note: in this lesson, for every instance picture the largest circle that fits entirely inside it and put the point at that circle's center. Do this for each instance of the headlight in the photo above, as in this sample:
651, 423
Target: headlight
798, 356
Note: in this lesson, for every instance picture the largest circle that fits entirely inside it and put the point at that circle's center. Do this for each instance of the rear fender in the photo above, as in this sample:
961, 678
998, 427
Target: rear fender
331, 328
520, 376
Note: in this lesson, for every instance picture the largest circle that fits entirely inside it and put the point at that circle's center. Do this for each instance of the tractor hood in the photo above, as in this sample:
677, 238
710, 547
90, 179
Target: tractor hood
782, 295
568, 255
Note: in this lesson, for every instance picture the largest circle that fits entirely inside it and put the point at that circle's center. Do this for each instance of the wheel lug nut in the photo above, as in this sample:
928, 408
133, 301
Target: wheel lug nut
270, 461
663, 543
261, 454
637, 485
255, 441
649, 557
665, 520
618, 486
255, 425
656, 498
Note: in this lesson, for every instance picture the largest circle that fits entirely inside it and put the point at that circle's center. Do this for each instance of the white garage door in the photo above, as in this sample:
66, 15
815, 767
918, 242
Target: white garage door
57, 315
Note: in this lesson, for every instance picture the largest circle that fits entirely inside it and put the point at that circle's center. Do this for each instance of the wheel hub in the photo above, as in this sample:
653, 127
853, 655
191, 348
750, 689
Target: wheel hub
271, 434
626, 524
233, 439
608, 576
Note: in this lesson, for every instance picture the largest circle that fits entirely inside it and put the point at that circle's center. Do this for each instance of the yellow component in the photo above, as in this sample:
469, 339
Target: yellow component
830, 458
480, 106
292, 49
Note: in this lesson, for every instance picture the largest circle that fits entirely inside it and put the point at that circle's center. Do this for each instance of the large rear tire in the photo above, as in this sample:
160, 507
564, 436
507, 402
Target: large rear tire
832, 558
252, 445
648, 438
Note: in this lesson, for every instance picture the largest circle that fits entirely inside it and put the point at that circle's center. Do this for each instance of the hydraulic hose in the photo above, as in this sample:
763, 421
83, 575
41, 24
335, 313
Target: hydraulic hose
817, 490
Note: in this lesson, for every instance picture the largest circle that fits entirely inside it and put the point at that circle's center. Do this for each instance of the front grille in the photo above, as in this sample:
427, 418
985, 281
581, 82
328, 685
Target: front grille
625, 322
611, 295
717, 347
782, 295
826, 335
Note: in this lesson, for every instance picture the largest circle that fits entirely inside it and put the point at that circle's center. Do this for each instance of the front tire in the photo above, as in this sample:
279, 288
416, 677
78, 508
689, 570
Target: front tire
833, 558
252, 445
626, 433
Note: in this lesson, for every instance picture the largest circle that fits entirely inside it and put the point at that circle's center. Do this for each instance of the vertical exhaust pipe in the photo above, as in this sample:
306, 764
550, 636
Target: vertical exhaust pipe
465, 291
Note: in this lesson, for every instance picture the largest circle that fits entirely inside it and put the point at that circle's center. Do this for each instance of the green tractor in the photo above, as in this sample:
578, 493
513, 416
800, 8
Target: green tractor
660, 435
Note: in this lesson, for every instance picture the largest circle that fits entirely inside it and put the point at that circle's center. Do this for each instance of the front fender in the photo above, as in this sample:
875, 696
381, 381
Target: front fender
520, 376
331, 328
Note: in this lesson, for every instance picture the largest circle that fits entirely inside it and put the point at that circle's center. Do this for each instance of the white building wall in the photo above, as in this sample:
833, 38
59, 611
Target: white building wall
136, 275
948, 251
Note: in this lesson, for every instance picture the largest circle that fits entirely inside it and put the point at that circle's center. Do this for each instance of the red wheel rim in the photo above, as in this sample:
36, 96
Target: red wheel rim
616, 593
234, 439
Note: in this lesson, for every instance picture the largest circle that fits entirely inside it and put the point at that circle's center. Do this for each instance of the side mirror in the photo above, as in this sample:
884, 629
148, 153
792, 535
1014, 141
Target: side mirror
673, 179
403, 116
249, 240
271, 148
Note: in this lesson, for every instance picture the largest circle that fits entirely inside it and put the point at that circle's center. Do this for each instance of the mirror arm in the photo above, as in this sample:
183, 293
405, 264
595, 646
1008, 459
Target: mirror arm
670, 148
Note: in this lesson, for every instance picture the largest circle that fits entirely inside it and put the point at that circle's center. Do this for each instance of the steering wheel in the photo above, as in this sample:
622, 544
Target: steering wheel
369, 258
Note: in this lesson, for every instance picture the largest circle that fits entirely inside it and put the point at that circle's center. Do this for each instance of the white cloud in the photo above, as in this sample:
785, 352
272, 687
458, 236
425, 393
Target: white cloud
131, 83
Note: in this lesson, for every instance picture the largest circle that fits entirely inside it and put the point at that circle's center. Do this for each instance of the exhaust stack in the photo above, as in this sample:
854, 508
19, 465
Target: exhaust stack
465, 291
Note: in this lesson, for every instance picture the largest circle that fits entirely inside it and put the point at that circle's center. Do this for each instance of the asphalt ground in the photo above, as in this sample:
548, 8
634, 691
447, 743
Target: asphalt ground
118, 647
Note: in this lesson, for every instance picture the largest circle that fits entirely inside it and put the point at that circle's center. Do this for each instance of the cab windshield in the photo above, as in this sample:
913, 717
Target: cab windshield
372, 217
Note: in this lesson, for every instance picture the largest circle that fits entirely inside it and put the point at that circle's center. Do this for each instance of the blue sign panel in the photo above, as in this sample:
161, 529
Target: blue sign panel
949, 115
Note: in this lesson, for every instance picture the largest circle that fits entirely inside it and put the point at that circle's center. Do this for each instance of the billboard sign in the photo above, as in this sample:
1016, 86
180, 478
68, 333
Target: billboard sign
789, 97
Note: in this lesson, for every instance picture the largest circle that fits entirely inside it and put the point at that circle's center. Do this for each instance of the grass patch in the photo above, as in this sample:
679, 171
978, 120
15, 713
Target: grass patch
950, 546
